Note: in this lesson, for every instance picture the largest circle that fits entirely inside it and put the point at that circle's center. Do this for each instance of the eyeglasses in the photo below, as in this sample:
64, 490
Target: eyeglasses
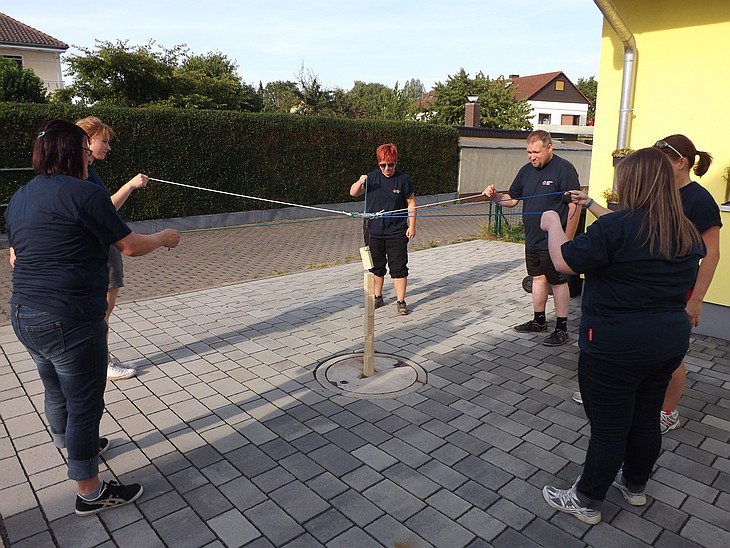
664, 144
89, 152
383, 166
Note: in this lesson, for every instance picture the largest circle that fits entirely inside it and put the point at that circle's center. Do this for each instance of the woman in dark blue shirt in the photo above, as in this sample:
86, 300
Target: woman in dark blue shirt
60, 227
639, 263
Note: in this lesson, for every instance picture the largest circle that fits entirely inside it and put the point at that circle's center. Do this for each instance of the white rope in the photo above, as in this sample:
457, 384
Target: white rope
389, 213
349, 214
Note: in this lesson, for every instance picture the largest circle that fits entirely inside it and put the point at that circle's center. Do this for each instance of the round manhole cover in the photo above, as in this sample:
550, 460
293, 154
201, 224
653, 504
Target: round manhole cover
394, 376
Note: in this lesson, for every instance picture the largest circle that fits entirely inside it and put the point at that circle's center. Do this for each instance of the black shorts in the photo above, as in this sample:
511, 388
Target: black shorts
539, 264
116, 271
394, 251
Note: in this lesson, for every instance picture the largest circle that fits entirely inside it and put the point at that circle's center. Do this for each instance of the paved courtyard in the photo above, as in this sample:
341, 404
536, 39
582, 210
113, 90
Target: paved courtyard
238, 444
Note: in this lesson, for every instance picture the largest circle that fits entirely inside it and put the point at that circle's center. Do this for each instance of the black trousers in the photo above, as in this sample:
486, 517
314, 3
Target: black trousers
622, 403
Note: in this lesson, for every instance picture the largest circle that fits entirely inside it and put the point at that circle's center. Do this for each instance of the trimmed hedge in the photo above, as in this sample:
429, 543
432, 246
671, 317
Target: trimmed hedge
297, 159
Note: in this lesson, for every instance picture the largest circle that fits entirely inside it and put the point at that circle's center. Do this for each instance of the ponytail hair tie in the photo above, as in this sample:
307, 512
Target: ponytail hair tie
41, 134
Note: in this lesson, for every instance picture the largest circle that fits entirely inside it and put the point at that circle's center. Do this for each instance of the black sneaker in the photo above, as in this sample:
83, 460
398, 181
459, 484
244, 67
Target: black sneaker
103, 445
530, 327
379, 301
556, 338
402, 308
112, 495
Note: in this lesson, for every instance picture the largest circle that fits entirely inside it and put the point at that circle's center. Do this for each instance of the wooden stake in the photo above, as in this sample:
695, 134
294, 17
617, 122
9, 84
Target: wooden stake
368, 369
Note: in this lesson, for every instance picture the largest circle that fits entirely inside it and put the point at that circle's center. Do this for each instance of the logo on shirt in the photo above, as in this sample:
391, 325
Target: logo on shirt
396, 191
547, 183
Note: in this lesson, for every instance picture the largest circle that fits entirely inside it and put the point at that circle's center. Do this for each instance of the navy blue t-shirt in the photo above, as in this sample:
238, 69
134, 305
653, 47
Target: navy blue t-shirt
387, 194
94, 178
699, 206
60, 228
558, 175
633, 301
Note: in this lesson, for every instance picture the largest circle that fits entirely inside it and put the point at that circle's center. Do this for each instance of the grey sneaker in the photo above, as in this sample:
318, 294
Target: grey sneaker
632, 497
577, 398
103, 445
566, 500
669, 421
379, 301
530, 327
556, 338
115, 371
402, 308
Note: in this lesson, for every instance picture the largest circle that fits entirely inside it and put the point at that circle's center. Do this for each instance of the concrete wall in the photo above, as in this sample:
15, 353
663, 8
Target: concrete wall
496, 161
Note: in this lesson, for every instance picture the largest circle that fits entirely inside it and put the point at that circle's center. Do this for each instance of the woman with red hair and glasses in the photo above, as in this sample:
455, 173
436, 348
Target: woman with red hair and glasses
388, 190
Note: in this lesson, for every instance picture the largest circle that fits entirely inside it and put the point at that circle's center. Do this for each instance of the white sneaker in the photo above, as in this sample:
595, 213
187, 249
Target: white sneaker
632, 497
566, 500
577, 398
115, 371
669, 421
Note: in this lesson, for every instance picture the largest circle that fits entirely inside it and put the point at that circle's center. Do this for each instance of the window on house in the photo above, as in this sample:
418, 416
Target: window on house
17, 58
569, 120
559, 85
544, 119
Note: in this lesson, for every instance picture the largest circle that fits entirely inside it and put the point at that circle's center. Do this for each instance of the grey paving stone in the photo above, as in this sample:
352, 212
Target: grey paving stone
510, 538
393, 499
138, 534
299, 501
70, 531
183, 527
356, 508
482, 524
606, 535
233, 528
24, 525
273, 522
242, 493
334, 459
392, 533
546, 534
637, 527
439, 530
162, 506
250, 460
327, 486
511, 514
442, 474
482, 472
344, 439
328, 525
207, 501
404, 452
477, 494
353, 537
672, 540
272, 479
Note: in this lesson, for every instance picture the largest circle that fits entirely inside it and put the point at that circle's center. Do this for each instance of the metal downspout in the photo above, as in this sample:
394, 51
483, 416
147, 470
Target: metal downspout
612, 16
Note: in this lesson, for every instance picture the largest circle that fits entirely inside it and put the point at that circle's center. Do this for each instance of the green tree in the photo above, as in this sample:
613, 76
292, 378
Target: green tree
379, 102
20, 85
314, 100
499, 108
589, 88
152, 76
279, 96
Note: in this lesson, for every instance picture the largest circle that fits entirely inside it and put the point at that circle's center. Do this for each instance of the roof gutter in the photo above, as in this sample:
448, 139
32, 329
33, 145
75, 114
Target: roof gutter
612, 16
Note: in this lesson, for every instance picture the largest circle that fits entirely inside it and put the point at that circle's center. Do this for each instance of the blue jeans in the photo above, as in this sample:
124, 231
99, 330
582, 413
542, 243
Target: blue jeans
71, 357
622, 403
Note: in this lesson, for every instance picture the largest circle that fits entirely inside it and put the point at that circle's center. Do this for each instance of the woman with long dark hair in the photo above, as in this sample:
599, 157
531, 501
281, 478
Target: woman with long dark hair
639, 263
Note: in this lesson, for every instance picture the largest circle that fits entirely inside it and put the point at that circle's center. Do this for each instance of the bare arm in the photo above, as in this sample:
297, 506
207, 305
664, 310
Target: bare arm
120, 196
550, 223
503, 198
136, 245
711, 238
11, 257
358, 187
581, 198
411, 231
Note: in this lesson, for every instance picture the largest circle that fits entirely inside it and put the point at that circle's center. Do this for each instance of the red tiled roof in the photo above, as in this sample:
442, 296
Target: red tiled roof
526, 86
15, 33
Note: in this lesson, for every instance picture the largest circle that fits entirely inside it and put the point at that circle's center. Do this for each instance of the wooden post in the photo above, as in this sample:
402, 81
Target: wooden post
368, 362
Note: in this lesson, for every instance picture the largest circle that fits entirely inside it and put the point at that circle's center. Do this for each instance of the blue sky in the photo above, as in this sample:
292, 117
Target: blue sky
343, 41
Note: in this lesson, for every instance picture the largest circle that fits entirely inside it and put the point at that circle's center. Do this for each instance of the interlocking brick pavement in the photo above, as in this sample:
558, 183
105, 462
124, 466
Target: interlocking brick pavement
237, 444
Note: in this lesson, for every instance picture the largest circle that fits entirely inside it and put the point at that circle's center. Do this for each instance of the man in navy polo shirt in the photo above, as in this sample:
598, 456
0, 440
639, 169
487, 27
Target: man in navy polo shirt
541, 184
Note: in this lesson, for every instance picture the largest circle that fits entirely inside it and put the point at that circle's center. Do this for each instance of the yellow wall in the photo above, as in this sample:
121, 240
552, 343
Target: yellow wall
682, 86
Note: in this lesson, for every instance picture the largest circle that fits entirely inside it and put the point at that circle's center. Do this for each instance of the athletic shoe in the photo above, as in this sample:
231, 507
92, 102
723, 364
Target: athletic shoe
566, 500
577, 398
379, 301
530, 327
632, 497
556, 338
402, 308
669, 421
103, 445
112, 495
116, 371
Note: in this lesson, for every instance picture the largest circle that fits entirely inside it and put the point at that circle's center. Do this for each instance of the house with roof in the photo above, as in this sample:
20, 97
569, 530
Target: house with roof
557, 104
663, 67
32, 49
